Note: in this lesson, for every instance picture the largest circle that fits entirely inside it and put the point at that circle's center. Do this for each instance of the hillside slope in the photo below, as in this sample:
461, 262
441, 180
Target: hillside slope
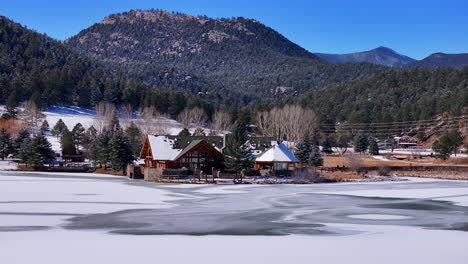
380, 55
241, 59
31, 62
437, 60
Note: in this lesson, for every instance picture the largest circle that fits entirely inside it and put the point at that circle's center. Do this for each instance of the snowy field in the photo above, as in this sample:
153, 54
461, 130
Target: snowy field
89, 218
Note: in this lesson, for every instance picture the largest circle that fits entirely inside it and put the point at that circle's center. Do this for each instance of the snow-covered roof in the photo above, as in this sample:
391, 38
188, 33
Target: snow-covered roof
277, 153
162, 148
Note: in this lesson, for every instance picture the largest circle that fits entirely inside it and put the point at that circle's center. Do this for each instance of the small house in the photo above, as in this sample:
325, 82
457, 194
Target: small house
277, 157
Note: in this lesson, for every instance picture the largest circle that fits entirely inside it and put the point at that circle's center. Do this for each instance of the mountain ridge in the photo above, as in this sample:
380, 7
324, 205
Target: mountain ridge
241, 58
380, 55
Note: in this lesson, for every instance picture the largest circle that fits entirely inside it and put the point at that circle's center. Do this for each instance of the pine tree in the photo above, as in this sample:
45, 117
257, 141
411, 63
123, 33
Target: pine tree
45, 126
373, 147
100, 151
134, 136
361, 143
6, 144
304, 149
11, 106
237, 152
78, 134
328, 144
58, 129
66, 141
121, 152
315, 159
36, 151
23, 134
184, 133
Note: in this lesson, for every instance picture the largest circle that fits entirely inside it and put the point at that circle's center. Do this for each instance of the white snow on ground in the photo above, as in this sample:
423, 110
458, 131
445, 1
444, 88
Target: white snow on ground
7, 165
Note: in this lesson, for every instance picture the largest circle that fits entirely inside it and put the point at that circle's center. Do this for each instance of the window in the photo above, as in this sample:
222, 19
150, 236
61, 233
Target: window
281, 166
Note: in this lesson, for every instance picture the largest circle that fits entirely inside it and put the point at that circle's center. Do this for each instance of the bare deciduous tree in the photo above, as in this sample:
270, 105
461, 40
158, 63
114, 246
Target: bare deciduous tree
289, 123
126, 116
104, 114
221, 121
32, 115
196, 115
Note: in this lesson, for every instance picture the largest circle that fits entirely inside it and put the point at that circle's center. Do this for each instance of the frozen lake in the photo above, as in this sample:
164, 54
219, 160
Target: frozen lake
76, 218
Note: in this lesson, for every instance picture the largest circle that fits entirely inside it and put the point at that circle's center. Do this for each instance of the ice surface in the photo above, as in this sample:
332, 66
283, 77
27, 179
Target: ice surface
90, 218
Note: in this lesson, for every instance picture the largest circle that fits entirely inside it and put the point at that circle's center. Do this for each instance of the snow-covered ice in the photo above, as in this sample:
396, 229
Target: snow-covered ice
90, 218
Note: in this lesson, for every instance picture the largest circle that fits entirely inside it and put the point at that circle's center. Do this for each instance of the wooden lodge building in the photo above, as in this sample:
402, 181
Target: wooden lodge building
163, 152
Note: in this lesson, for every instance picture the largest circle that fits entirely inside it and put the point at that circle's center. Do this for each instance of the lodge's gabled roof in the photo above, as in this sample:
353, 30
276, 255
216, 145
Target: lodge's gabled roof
277, 153
164, 148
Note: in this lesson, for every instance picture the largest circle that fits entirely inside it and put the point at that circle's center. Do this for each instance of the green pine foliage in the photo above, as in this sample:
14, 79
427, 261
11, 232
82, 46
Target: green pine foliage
448, 144
328, 144
23, 134
120, 151
59, 128
184, 132
45, 126
304, 149
78, 135
395, 95
100, 151
67, 143
237, 154
6, 144
361, 143
373, 146
315, 159
37, 151
11, 105
134, 136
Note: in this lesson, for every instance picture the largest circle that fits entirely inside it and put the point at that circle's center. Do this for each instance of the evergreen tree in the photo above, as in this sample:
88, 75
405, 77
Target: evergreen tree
58, 129
121, 152
328, 144
66, 141
100, 151
315, 159
36, 151
134, 136
78, 134
237, 152
23, 134
361, 143
6, 144
373, 147
447, 144
11, 106
36, 99
184, 132
45, 126
304, 149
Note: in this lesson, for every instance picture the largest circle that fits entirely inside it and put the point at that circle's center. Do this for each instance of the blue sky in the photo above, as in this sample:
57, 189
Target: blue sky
413, 28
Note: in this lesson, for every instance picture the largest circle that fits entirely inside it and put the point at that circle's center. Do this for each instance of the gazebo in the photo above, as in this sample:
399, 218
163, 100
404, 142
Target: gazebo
278, 157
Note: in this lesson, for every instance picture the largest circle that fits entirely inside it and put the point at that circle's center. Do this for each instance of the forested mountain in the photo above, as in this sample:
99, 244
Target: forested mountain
31, 62
437, 60
380, 55
241, 59
394, 96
